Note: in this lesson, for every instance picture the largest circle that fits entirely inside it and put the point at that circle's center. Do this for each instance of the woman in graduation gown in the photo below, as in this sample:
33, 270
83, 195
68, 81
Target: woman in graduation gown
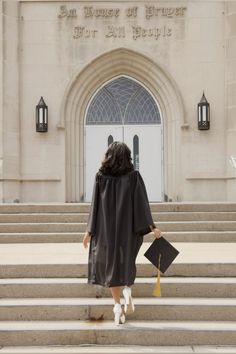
119, 218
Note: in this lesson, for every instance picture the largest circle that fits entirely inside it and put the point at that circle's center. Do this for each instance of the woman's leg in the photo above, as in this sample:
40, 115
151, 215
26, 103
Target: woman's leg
115, 292
129, 304
117, 309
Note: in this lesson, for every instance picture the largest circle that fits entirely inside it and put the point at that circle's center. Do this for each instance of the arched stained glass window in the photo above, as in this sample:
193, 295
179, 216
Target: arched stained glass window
122, 89
103, 109
123, 101
110, 140
142, 109
136, 152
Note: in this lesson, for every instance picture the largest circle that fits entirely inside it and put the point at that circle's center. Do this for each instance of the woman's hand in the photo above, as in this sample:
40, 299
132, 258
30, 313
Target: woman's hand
86, 239
157, 233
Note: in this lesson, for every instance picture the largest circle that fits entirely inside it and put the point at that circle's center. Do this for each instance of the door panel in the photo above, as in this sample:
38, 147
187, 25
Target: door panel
96, 143
149, 161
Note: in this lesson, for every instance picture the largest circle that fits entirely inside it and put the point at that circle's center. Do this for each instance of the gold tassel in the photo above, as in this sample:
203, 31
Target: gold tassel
157, 289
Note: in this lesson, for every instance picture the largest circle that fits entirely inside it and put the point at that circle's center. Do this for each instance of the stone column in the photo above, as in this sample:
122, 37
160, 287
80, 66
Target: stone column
10, 149
230, 32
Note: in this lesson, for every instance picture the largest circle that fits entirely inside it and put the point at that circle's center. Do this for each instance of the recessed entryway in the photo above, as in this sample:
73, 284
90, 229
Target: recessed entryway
124, 110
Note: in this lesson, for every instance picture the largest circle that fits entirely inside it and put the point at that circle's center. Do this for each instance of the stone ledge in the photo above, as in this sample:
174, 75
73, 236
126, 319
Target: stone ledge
209, 178
115, 349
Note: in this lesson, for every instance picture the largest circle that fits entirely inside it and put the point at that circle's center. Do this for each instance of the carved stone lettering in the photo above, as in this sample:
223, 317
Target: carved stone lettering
83, 32
90, 12
140, 32
64, 12
170, 12
132, 12
115, 32
112, 29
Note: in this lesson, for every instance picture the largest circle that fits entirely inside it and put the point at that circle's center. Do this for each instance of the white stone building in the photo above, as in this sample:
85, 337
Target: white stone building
133, 71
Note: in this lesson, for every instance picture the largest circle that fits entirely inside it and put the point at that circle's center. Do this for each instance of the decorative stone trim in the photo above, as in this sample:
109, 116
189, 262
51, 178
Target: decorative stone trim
82, 87
210, 178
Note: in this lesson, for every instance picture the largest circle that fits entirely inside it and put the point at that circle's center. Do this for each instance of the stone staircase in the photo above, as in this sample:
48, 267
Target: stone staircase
45, 299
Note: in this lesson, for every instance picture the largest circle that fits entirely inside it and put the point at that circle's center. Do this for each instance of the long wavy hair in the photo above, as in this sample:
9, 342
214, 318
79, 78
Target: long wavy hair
118, 160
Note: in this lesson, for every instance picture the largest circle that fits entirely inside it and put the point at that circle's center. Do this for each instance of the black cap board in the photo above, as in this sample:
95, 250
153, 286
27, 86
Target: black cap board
161, 247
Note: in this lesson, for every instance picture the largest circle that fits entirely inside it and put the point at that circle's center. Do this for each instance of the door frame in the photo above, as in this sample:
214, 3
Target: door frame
87, 80
122, 126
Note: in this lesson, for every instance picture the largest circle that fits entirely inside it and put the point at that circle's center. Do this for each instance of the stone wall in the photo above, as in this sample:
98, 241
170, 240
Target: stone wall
57, 43
11, 103
1, 100
230, 109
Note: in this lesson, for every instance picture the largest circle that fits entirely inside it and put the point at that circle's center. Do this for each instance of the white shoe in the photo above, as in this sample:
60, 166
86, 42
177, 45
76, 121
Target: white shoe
129, 304
119, 315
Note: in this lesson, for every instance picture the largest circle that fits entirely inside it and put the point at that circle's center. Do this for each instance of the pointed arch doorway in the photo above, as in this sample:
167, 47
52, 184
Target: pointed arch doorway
124, 110
78, 95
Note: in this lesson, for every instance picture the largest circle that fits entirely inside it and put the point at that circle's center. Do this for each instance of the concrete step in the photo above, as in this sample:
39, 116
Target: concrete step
62, 237
83, 217
156, 333
84, 207
143, 270
117, 349
143, 287
9, 208
42, 227
45, 217
70, 260
194, 216
81, 227
52, 237
173, 309
195, 308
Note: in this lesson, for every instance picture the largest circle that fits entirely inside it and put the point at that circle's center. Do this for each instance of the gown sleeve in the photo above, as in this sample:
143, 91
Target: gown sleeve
142, 216
91, 225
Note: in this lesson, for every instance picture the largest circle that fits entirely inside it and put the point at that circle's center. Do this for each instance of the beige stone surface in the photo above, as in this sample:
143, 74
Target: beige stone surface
11, 101
45, 60
92, 349
71, 253
97, 349
1, 97
132, 333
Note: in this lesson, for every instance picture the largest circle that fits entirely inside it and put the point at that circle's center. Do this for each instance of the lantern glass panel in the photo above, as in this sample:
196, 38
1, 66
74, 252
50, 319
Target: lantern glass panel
40, 115
45, 116
204, 113
199, 113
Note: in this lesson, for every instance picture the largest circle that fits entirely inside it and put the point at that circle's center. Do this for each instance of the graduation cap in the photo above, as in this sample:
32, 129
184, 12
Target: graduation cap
161, 254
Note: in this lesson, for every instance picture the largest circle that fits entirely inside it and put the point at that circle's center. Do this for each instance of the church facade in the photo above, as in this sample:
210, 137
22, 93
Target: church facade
104, 71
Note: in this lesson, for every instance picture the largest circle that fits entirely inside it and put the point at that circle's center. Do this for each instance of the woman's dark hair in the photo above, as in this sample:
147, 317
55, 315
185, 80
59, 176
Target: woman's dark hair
117, 160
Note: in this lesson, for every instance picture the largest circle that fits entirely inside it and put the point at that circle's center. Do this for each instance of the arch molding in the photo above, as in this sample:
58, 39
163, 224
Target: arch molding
79, 92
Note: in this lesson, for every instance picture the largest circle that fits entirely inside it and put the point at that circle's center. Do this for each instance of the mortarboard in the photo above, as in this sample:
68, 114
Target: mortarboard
160, 246
161, 254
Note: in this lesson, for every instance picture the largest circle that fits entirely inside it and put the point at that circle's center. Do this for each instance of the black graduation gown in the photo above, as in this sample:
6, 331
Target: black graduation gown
119, 218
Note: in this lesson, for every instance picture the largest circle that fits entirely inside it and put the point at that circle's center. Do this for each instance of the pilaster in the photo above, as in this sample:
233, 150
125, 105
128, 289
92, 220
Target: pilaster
11, 149
230, 33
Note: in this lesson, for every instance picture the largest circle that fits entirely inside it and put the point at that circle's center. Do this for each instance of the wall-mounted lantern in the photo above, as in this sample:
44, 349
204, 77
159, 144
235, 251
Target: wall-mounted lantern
41, 116
203, 114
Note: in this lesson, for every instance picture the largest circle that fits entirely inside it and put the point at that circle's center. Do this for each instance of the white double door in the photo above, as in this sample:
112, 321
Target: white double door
149, 140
